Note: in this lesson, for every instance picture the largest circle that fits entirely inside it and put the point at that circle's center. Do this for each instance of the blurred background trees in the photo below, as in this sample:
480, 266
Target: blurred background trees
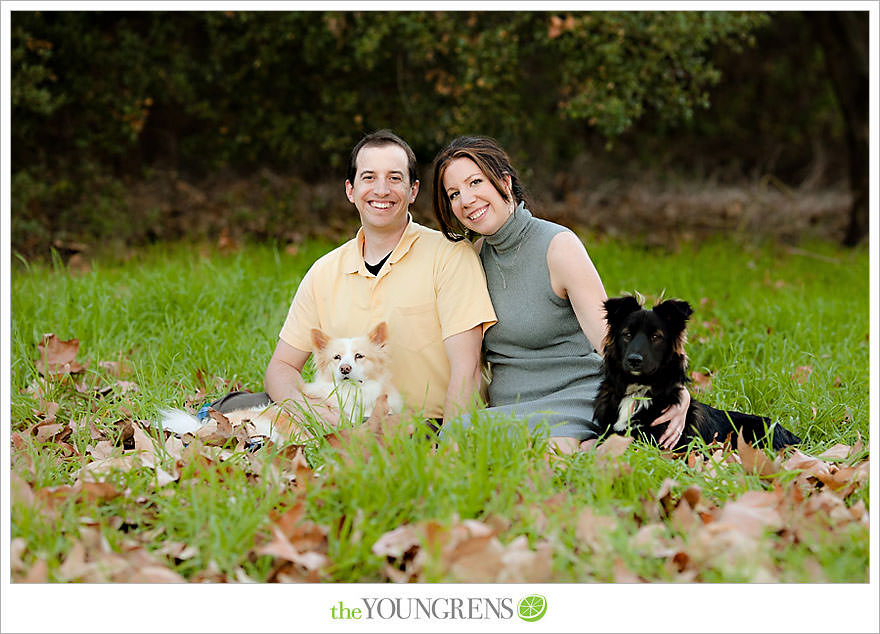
113, 108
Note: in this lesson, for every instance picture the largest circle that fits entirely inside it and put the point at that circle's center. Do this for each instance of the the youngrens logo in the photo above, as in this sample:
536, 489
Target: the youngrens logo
530, 608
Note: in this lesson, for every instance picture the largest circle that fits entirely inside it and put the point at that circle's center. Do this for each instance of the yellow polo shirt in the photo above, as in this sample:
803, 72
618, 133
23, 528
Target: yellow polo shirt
429, 289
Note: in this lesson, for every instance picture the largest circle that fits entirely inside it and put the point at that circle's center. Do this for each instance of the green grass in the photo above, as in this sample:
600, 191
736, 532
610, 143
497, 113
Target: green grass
185, 318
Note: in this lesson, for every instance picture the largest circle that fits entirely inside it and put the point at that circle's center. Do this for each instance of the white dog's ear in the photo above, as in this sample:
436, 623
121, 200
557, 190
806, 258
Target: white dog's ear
379, 334
319, 339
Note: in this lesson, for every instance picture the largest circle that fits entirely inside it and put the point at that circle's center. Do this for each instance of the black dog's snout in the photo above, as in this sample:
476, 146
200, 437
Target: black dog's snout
345, 369
634, 360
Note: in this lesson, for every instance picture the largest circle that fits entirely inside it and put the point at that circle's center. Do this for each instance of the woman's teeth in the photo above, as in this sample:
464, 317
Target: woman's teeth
478, 214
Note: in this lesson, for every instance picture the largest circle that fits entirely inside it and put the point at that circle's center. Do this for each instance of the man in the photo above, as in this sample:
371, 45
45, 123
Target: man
430, 291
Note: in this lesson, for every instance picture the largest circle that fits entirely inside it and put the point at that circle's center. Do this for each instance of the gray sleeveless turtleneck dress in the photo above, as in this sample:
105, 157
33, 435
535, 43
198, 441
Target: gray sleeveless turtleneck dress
544, 369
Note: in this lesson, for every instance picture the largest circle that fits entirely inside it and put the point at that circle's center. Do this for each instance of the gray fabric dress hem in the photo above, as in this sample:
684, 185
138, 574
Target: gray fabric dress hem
533, 415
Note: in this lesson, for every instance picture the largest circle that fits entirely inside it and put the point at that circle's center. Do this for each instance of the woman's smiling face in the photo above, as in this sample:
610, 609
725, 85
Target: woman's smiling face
476, 203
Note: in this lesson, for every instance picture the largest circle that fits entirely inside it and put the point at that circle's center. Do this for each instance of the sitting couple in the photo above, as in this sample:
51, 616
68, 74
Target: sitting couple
526, 291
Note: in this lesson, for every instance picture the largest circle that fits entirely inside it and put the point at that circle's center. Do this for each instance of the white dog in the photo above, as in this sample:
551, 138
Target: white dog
350, 374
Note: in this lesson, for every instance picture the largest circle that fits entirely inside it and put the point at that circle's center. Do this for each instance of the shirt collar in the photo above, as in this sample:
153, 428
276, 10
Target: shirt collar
353, 258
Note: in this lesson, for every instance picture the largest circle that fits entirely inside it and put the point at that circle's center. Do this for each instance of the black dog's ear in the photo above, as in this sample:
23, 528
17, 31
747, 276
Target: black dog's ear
675, 313
616, 308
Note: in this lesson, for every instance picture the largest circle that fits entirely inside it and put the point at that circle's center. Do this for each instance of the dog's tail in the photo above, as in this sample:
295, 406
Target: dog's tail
760, 429
783, 438
179, 421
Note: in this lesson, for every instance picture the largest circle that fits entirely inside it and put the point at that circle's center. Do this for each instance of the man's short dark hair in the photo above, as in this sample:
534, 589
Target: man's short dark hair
380, 138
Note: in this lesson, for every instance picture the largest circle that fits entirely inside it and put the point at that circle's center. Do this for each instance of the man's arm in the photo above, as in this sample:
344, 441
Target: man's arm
463, 351
283, 379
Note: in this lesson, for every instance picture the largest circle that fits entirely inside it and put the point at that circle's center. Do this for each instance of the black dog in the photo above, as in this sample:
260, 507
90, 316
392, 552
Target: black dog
645, 367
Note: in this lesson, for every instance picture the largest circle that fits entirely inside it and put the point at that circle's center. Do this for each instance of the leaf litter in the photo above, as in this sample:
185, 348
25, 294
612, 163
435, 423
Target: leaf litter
679, 526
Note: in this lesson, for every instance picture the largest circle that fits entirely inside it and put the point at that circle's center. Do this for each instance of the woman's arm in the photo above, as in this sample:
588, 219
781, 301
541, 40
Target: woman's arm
574, 277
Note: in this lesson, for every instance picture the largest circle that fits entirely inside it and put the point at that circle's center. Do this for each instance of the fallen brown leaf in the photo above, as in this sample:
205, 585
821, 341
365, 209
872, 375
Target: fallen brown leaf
589, 444
287, 521
475, 558
800, 460
651, 540
837, 452
74, 565
119, 368
664, 494
155, 574
17, 548
701, 381
593, 530
117, 387
211, 574
178, 550
18, 442
396, 543
755, 460
47, 431
622, 574
83, 490
614, 446
831, 505
125, 462
858, 446
469, 551
802, 373
282, 548
21, 492
51, 411
217, 431
751, 514
87, 423
58, 357
102, 450
692, 495
683, 517
39, 573
838, 477
520, 564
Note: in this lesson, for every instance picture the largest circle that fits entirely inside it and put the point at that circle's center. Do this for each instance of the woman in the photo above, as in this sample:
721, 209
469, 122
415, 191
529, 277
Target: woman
547, 295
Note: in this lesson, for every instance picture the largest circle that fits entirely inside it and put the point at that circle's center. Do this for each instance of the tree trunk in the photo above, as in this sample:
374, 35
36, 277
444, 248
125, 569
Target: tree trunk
844, 39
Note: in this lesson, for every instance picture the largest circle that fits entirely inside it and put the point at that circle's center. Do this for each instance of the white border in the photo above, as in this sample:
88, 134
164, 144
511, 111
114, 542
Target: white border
572, 607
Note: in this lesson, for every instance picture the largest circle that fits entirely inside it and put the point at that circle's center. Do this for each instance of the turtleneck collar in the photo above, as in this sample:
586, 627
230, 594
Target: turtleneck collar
512, 231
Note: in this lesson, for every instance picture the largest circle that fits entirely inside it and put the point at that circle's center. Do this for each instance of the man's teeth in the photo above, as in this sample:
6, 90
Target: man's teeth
477, 214
380, 205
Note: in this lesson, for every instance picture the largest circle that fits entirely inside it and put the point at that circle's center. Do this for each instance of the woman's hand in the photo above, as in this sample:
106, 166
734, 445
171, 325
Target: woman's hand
675, 415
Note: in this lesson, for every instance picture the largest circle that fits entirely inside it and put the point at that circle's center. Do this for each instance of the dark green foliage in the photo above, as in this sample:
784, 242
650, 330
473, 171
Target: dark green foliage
100, 97
295, 88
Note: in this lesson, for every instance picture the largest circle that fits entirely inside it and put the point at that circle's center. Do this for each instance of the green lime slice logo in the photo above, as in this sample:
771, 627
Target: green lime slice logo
532, 608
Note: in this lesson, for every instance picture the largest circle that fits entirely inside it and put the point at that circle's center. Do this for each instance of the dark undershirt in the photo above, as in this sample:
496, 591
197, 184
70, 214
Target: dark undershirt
375, 268
433, 423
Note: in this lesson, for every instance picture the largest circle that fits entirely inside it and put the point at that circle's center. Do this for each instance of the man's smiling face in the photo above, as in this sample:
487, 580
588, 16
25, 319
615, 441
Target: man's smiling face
381, 190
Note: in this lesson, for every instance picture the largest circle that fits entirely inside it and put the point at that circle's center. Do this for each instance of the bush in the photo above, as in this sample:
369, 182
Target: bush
104, 95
